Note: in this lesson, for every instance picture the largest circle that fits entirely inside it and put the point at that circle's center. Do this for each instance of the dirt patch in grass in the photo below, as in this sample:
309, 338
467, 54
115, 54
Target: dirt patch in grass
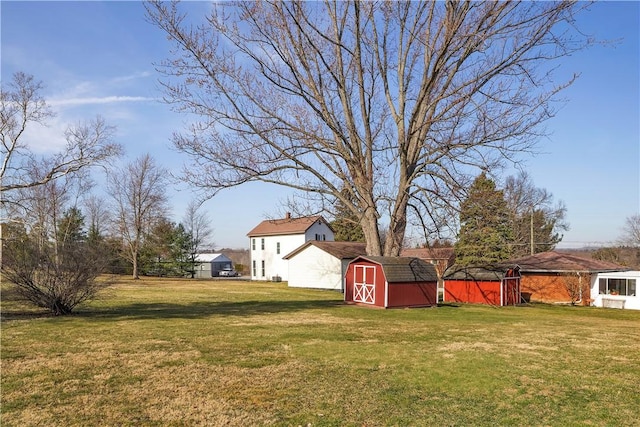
289, 319
466, 346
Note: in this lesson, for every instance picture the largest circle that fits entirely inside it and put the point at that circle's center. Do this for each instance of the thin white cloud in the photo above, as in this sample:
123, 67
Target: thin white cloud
133, 76
94, 100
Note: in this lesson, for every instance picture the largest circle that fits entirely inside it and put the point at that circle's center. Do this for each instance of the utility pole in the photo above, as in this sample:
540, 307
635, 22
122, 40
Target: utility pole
531, 229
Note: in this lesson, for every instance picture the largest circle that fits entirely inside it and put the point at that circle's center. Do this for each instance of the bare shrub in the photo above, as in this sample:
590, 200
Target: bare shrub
55, 278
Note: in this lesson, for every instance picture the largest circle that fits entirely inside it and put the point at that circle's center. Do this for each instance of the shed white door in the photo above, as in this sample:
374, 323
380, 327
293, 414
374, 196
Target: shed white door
364, 288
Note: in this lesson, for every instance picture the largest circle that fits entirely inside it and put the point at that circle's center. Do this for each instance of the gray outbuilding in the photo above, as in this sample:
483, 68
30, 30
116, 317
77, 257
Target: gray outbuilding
213, 265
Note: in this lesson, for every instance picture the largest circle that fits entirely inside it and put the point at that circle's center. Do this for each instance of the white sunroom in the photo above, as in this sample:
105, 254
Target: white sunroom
618, 289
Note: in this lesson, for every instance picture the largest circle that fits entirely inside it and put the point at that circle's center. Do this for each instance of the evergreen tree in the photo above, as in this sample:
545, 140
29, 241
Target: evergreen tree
485, 232
70, 229
181, 251
166, 250
155, 252
346, 225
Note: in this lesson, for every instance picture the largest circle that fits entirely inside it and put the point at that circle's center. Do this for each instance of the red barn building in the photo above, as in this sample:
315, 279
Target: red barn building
497, 286
388, 282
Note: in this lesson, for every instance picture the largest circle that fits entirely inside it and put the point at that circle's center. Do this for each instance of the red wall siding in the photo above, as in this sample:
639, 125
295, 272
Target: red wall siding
400, 294
348, 284
380, 284
470, 291
413, 294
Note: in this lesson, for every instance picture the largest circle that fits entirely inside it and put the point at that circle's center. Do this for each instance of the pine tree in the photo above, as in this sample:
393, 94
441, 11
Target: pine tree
70, 229
346, 225
485, 233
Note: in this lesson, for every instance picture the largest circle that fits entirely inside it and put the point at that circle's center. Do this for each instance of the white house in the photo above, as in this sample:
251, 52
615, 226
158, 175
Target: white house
272, 239
617, 289
322, 265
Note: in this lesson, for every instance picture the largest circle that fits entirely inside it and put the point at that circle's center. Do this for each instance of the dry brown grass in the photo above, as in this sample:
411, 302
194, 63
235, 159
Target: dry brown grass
208, 353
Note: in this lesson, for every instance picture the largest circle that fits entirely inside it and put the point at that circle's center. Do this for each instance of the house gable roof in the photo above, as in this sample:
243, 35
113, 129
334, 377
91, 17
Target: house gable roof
559, 262
285, 226
340, 250
403, 269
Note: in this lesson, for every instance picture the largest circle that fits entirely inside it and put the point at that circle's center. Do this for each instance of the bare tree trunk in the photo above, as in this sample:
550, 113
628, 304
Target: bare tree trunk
134, 257
138, 191
371, 232
395, 237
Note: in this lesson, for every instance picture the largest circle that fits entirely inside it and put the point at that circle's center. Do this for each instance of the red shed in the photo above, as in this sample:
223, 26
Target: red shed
388, 282
497, 286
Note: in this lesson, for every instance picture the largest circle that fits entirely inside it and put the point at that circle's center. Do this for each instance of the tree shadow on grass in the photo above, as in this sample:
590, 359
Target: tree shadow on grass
204, 309
449, 304
179, 311
16, 308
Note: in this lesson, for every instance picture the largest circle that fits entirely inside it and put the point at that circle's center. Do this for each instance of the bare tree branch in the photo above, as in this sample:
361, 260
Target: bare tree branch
631, 232
398, 102
88, 143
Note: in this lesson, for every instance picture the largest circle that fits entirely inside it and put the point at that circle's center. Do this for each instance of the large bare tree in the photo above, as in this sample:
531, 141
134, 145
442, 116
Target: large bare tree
399, 103
139, 193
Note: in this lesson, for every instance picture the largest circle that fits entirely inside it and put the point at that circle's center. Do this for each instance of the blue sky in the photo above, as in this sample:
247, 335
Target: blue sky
98, 58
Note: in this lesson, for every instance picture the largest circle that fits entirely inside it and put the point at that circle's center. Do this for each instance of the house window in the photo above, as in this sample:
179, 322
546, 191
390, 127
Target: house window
262, 268
253, 244
278, 248
615, 286
324, 237
317, 236
254, 268
262, 244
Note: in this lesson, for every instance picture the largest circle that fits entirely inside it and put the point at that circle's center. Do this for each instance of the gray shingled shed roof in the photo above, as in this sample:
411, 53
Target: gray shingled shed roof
403, 269
488, 273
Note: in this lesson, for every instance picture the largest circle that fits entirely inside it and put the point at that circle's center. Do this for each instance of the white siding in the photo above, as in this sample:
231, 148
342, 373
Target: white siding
627, 301
274, 264
314, 268
319, 232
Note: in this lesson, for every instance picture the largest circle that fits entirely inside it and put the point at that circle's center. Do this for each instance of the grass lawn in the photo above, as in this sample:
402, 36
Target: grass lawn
188, 353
